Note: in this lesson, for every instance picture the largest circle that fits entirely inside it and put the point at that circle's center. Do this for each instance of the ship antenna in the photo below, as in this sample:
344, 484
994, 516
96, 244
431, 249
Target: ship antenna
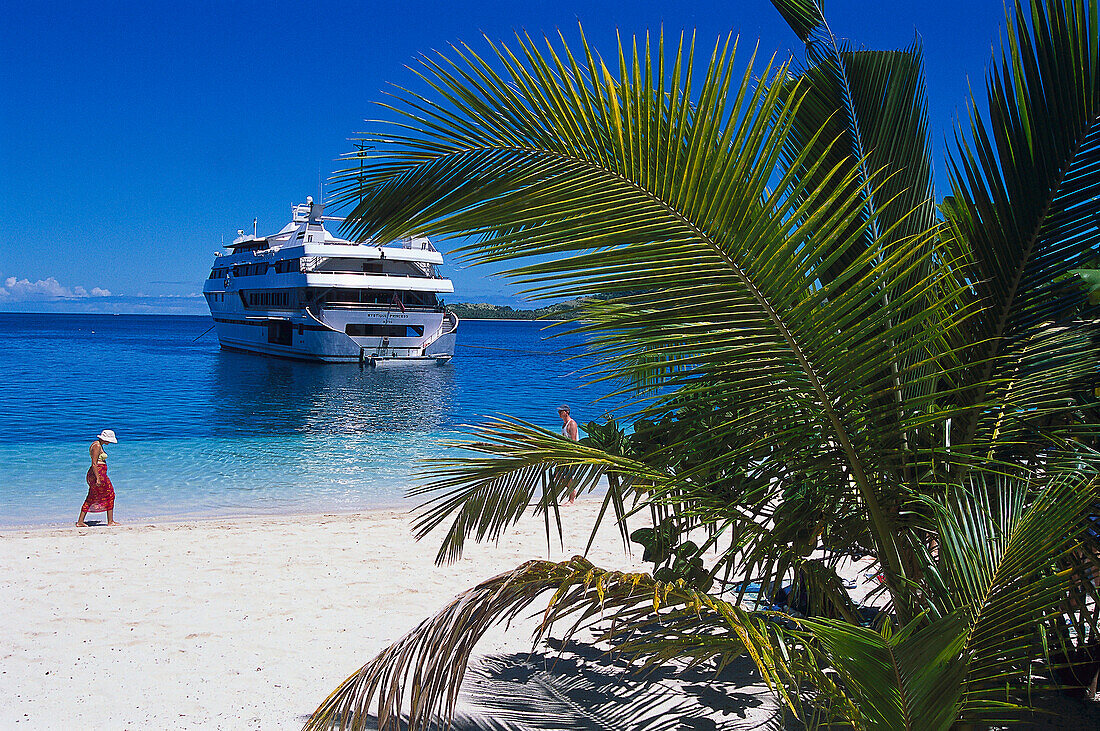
362, 147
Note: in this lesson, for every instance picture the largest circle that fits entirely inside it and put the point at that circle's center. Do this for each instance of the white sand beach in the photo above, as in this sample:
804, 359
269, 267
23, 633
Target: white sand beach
232, 624
250, 623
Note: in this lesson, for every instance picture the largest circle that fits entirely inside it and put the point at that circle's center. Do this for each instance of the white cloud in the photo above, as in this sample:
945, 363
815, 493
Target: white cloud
21, 290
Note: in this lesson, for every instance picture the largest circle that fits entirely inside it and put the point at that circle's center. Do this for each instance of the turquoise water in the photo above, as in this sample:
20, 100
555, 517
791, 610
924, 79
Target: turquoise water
207, 433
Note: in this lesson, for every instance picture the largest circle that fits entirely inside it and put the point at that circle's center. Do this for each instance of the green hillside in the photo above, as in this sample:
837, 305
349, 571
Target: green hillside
486, 311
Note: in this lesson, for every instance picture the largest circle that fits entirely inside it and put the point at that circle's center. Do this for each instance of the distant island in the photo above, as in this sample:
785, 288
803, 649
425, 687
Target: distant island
486, 311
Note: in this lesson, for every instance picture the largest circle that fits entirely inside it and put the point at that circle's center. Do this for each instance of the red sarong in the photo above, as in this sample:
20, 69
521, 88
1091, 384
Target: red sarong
101, 498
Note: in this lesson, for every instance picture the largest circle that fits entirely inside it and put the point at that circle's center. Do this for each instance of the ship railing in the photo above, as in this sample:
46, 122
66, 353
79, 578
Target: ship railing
382, 306
395, 275
416, 243
419, 243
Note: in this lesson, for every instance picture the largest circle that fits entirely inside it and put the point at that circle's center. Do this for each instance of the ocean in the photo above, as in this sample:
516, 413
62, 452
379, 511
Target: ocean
205, 432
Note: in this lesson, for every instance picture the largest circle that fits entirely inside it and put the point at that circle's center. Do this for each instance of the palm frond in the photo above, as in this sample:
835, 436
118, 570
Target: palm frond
904, 680
1026, 196
1000, 544
872, 104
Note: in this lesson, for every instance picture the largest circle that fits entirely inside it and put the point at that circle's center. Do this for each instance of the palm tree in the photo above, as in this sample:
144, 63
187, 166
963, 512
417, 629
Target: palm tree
822, 357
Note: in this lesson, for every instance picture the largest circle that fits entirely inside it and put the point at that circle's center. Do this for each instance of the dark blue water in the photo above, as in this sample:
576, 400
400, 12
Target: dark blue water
205, 432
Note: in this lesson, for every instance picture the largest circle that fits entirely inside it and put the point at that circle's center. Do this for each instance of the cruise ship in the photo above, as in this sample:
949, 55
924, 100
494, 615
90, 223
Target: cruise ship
303, 293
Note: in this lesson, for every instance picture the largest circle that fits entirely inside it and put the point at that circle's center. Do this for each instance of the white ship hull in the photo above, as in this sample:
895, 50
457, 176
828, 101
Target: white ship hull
301, 337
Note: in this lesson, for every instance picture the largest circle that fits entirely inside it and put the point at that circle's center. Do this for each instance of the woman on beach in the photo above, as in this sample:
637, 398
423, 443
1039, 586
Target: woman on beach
101, 493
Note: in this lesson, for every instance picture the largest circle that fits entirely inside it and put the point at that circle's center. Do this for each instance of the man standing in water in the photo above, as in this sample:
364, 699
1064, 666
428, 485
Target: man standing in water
569, 431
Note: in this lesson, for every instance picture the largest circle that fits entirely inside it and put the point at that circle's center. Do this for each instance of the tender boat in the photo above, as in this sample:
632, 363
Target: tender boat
303, 293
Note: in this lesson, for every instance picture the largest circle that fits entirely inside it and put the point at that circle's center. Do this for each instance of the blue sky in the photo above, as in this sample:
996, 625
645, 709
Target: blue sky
136, 137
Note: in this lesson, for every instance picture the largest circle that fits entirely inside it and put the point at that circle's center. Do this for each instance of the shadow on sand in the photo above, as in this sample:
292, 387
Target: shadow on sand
573, 685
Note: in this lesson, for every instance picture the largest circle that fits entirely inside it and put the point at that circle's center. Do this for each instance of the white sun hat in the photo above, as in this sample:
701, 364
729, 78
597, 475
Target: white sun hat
108, 435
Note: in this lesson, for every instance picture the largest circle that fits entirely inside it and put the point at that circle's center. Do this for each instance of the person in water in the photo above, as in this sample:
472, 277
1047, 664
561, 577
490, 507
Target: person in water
569, 431
101, 493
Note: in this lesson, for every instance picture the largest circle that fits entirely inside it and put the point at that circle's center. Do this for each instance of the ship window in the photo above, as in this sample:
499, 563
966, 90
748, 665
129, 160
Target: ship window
385, 331
419, 299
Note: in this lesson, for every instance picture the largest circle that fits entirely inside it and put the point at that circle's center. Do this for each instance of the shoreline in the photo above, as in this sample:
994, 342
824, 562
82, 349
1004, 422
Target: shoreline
98, 520
508, 319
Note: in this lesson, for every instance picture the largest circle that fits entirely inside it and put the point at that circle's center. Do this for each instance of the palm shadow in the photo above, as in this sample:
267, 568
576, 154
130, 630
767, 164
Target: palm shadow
569, 685
575, 685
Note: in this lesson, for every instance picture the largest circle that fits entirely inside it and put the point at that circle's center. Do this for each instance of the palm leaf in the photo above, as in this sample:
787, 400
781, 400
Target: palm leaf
872, 104
910, 679
999, 544
1026, 195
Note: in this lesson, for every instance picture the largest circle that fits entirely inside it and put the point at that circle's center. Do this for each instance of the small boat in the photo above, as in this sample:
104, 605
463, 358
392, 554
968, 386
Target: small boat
303, 293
